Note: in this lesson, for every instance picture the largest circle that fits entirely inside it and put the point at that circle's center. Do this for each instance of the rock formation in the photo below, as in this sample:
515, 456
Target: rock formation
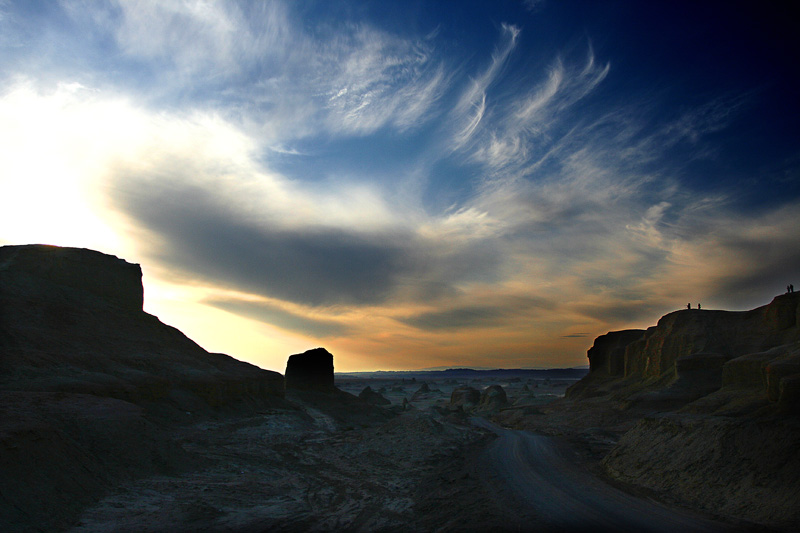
71, 321
372, 397
310, 370
758, 348
89, 381
708, 402
493, 398
465, 398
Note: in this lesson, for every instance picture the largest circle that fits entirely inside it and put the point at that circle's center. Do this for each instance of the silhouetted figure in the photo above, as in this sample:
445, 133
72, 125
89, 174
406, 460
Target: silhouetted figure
688, 306
791, 288
698, 306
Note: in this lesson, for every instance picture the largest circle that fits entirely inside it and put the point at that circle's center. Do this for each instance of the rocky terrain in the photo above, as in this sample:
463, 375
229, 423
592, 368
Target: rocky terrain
112, 421
701, 410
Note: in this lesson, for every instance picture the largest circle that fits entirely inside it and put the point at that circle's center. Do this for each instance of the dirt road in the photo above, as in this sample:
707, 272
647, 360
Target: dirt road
555, 494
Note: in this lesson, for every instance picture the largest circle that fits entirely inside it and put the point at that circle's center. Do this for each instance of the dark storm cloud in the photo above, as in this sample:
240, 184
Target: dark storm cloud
309, 265
618, 311
274, 315
312, 266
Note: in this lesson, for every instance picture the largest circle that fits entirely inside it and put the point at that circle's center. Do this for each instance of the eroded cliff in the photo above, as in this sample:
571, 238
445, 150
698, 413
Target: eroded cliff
90, 383
699, 351
705, 408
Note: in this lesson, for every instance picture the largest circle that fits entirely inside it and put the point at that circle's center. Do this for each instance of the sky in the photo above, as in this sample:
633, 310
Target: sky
410, 184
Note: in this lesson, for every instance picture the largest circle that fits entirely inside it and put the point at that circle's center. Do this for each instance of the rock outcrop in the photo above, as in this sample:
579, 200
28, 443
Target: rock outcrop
71, 321
310, 370
466, 398
89, 382
758, 348
90, 272
607, 355
493, 398
707, 403
372, 397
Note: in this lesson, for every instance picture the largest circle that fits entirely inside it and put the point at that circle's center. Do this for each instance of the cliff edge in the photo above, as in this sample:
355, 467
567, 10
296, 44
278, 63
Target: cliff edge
691, 353
90, 384
701, 409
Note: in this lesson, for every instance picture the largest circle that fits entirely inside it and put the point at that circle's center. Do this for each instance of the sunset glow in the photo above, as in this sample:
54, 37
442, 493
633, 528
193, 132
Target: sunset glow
443, 184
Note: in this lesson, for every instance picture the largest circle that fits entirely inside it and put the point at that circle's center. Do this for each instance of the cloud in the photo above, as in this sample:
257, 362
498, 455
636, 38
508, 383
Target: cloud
277, 316
308, 265
464, 317
198, 155
267, 66
522, 130
499, 310
471, 106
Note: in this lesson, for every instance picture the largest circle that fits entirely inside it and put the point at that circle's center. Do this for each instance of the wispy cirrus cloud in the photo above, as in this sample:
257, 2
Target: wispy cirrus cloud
258, 63
542, 208
471, 106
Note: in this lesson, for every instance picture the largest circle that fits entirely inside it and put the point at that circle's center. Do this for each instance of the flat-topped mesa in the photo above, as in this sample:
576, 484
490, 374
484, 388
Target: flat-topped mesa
71, 321
730, 333
755, 345
89, 271
310, 370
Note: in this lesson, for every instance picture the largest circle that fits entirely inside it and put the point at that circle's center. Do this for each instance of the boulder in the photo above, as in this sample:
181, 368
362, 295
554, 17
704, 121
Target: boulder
493, 397
465, 398
310, 370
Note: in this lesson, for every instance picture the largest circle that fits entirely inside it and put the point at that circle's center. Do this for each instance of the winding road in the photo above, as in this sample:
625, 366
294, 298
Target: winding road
556, 494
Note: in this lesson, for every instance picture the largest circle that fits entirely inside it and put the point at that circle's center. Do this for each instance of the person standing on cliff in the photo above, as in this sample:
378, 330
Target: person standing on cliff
688, 306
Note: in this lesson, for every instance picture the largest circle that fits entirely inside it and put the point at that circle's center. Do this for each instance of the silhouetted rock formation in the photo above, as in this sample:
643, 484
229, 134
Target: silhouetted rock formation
372, 397
466, 398
493, 398
90, 272
71, 321
310, 370
757, 348
88, 380
712, 401
607, 355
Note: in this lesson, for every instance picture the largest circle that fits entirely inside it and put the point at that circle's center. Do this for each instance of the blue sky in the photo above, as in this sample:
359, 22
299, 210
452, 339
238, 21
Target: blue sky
410, 184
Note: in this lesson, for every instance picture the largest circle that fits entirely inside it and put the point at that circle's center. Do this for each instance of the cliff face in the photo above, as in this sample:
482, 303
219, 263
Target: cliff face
88, 271
607, 355
71, 320
731, 334
707, 405
704, 350
91, 386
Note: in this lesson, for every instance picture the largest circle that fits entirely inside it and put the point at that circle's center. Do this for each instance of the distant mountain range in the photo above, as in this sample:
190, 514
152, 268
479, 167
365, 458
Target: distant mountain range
471, 373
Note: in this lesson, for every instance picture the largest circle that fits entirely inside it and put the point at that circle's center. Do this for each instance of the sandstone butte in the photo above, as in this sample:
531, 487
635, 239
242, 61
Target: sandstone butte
89, 382
691, 353
702, 407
